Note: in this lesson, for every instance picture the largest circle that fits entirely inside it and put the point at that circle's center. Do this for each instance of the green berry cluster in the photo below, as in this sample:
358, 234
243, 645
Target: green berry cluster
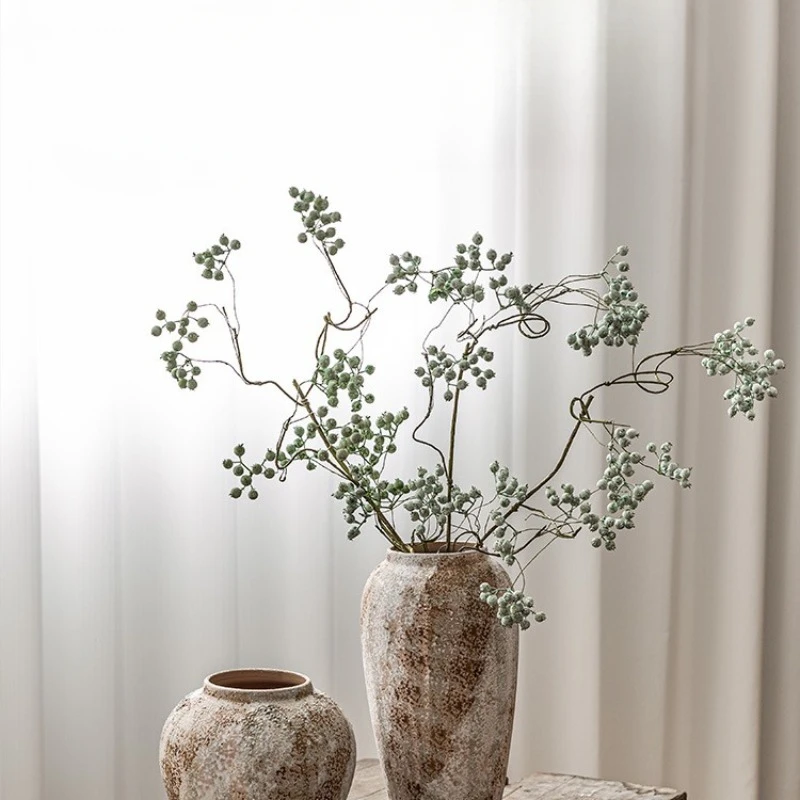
505, 537
245, 473
567, 501
371, 443
521, 297
752, 377
179, 365
439, 364
361, 499
671, 469
512, 607
429, 503
213, 259
343, 373
317, 220
363, 439
508, 487
622, 494
624, 317
404, 274
449, 283
302, 448
508, 490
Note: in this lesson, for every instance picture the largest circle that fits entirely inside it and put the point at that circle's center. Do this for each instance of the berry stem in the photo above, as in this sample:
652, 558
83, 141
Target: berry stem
386, 528
452, 449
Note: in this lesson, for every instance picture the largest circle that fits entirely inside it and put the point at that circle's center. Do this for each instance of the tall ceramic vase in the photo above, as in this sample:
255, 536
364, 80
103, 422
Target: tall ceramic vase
441, 675
257, 733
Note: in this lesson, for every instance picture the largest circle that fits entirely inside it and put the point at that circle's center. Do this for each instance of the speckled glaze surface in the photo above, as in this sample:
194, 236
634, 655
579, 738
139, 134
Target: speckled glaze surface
441, 675
257, 735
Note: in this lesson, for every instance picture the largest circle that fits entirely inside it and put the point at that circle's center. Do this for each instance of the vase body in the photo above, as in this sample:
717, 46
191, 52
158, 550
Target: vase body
257, 735
441, 675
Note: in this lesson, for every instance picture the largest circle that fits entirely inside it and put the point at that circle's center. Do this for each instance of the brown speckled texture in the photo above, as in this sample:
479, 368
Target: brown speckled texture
249, 743
441, 676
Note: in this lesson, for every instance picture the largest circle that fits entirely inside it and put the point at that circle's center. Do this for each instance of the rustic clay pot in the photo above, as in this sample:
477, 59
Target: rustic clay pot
257, 734
441, 675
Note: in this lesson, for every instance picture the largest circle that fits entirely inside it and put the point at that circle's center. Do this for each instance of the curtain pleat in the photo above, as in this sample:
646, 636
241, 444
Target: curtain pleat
779, 774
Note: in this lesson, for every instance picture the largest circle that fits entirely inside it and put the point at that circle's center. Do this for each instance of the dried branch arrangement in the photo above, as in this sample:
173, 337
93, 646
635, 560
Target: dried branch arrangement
329, 425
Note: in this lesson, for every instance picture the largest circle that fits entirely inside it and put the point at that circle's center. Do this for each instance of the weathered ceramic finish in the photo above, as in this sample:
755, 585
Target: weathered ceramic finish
257, 735
441, 675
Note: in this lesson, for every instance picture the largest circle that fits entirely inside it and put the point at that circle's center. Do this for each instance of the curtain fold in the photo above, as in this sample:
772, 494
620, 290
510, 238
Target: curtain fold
560, 130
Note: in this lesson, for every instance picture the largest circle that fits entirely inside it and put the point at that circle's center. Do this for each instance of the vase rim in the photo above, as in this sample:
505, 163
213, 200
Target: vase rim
465, 550
254, 684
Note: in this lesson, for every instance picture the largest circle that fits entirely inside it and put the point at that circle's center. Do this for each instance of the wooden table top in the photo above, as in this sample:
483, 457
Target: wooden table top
368, 785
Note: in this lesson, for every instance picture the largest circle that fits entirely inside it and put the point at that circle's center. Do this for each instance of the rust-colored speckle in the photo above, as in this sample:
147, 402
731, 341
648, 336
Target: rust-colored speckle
282, 743
440, 672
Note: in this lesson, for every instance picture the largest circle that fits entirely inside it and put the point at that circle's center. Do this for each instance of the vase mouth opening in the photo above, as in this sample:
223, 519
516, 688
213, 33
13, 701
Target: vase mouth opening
436, 549
250, 684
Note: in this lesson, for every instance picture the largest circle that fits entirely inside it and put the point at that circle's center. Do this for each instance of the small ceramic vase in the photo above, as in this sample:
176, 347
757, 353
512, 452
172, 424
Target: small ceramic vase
257, 733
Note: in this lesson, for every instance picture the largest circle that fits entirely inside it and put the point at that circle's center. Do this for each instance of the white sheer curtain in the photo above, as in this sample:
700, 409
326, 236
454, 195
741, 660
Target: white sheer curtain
134, 135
